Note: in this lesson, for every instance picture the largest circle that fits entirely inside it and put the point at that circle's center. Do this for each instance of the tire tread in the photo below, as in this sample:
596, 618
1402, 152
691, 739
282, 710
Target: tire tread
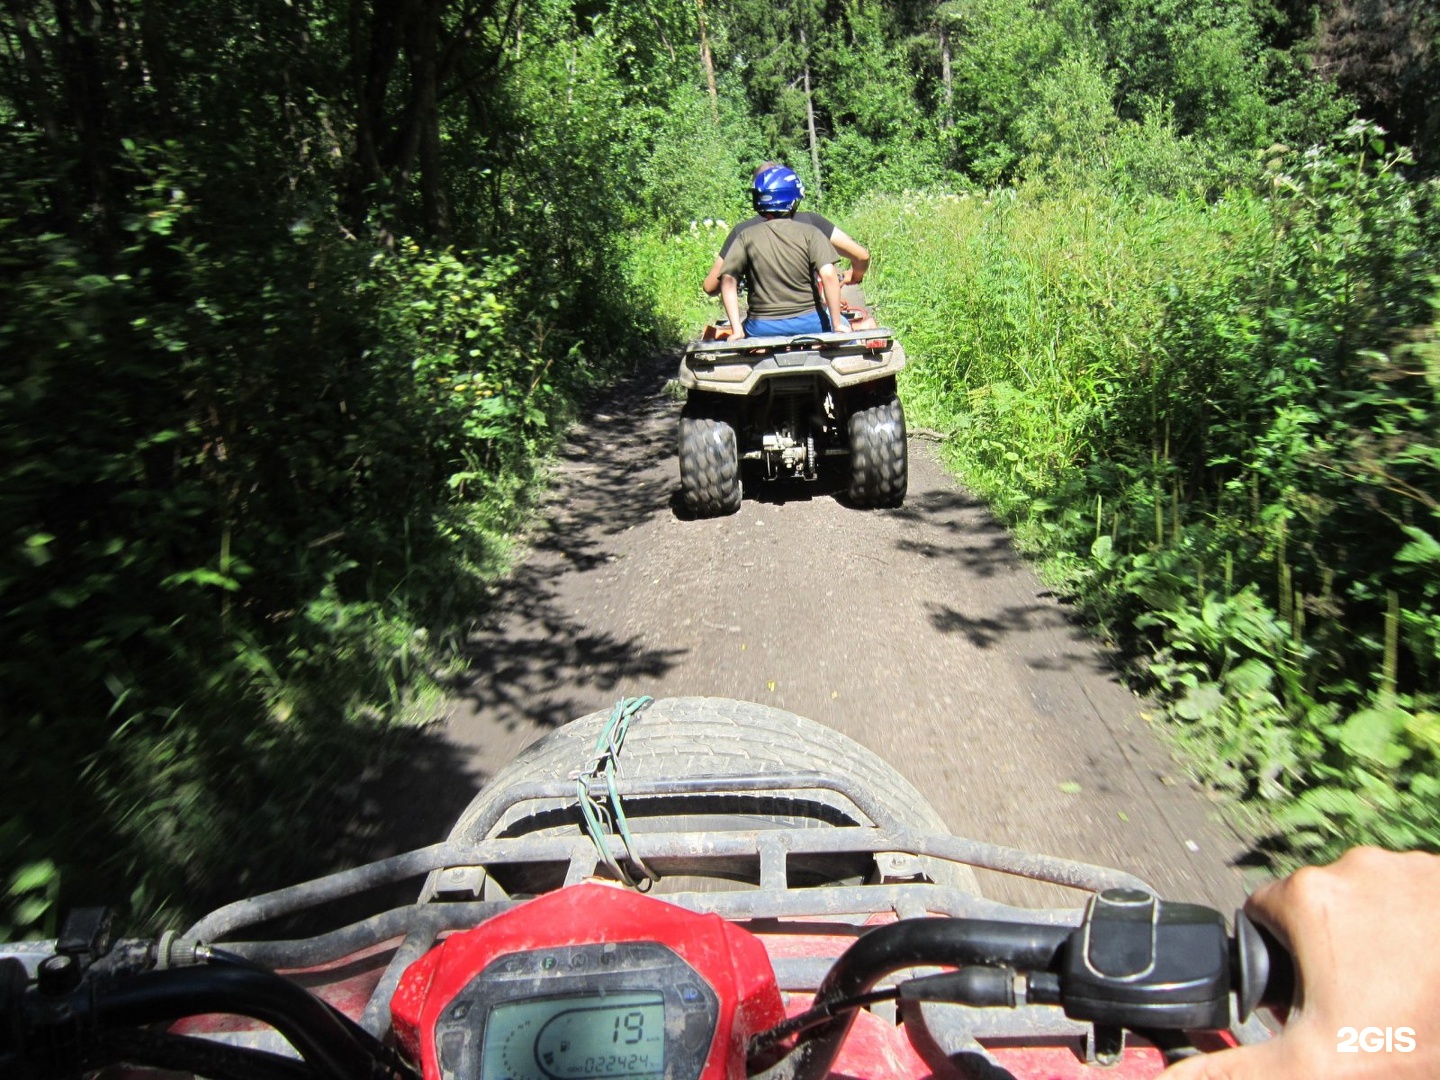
879, 465
698, 736
709, 465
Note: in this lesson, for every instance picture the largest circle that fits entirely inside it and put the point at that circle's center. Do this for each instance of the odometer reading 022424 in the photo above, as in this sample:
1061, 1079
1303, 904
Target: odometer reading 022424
609, 1036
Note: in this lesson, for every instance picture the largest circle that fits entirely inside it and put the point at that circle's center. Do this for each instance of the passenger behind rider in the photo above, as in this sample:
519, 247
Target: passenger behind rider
857, 253
1365, 936
780, 258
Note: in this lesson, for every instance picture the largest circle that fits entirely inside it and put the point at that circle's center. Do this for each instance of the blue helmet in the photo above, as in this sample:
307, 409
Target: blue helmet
776, 190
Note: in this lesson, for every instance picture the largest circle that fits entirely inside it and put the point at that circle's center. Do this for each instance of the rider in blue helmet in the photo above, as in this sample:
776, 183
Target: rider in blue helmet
781, 259
847, 246
776, 190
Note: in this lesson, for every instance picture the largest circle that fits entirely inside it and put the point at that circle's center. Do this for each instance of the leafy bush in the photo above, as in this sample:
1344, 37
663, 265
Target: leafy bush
255, 466
1218, 421
666, 270
227, 538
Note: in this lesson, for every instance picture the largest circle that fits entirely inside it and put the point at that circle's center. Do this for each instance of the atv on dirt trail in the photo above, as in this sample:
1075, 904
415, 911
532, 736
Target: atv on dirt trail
777, 407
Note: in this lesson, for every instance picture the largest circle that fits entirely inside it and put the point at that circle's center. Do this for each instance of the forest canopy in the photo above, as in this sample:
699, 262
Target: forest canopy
294, 296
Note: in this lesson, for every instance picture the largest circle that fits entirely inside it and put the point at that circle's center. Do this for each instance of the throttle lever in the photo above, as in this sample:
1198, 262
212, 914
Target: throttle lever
1264, 969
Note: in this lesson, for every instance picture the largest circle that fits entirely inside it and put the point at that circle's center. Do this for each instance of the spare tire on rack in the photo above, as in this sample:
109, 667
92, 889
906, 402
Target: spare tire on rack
711, 737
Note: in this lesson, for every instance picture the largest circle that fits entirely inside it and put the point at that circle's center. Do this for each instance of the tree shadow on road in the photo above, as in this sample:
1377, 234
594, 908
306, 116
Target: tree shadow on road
414, 787
1030, 632
531, 661
989, 631
980, 543
411, 796
613, 469
538, 665
982, 546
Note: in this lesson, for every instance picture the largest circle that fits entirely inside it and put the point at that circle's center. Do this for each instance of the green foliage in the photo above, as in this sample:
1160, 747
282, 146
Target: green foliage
221, 564
698, 163
1000, 52
880, 139
763, 48
1069, 120
667, 269
261, 449
1218, 421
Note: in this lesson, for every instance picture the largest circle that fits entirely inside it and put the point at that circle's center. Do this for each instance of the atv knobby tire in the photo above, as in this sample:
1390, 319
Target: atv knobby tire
694, 736
879, 467
709, 465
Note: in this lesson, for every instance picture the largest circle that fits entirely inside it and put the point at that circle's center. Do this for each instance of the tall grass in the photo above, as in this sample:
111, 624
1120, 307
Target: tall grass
666, 270
1215, 420
1031, 315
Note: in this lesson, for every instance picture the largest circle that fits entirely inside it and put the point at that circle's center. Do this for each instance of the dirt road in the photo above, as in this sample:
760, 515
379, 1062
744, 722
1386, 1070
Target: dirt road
916, 631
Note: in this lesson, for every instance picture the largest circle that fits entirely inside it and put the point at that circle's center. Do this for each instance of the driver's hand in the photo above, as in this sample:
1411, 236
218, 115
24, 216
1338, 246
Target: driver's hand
1365, 935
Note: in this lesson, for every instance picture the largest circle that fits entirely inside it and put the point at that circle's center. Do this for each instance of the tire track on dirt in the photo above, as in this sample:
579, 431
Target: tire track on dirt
916, 631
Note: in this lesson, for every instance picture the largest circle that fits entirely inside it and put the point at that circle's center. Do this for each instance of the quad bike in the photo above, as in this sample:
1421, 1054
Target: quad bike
780, 408
807, 916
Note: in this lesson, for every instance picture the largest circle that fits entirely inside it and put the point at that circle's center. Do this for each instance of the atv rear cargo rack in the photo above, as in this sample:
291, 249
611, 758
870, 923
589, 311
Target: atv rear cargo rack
836, 343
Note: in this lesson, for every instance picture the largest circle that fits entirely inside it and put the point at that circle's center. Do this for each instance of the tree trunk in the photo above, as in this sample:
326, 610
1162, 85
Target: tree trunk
708, 61
374, 48
810, 122
156, 64
424, 73
43, 114
946, 79
83, 79
660, 32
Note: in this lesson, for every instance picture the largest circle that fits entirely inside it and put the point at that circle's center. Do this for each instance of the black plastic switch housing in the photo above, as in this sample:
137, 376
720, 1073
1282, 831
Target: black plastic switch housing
1139, 962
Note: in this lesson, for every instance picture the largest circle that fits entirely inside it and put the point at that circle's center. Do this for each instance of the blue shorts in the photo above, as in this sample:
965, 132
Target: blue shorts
808, 323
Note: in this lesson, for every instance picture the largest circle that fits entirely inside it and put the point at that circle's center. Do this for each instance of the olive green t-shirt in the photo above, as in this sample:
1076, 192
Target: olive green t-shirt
779, 258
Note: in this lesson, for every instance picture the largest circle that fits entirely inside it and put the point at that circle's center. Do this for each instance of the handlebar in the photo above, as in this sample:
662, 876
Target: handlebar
1134, 963
51, 1031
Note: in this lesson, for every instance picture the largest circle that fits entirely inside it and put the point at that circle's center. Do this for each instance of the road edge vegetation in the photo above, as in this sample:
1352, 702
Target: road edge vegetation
1214, 420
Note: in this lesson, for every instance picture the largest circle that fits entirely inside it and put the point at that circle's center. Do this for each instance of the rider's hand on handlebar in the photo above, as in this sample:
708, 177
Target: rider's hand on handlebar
1365, 935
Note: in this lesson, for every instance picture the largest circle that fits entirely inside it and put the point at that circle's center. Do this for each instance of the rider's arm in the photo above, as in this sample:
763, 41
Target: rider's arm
730, 297
857, 253
830, 284
1365, 935
711, 285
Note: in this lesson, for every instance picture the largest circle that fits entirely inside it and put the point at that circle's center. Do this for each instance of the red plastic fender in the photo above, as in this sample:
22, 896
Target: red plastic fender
731, 960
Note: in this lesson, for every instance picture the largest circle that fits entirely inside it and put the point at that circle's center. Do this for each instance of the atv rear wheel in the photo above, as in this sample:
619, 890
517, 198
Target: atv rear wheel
678, 737
709, 463
879, 466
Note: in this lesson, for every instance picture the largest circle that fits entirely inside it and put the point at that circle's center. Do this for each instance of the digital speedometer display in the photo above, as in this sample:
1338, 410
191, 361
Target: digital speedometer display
620, 1035
630, 1010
